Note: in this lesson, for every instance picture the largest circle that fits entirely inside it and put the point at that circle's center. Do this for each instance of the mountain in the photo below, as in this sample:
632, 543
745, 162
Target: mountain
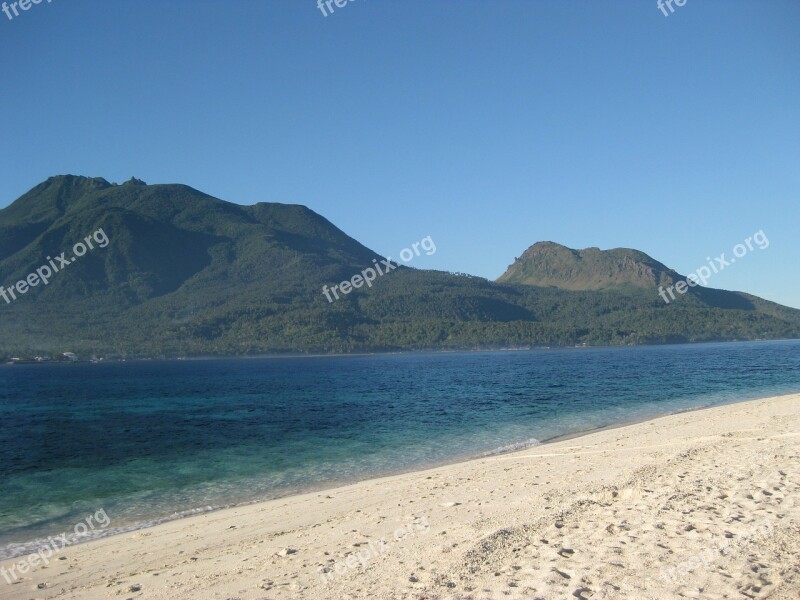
550, 264
175, 272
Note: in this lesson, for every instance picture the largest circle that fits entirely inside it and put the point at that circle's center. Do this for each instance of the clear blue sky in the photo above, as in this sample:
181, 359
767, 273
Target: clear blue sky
488, 125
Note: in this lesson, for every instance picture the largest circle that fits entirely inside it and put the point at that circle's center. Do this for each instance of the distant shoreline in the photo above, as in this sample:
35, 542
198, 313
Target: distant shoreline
384, 353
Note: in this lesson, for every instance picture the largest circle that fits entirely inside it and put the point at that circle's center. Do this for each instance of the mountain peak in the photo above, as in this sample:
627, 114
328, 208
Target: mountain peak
51, 198
75, 181
550, 264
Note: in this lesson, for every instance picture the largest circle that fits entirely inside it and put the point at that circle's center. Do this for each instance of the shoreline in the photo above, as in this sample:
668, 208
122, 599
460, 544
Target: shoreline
330, 486
582, 346
293, 537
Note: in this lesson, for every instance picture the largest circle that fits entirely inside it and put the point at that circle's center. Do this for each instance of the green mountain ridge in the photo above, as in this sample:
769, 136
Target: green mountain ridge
187, 274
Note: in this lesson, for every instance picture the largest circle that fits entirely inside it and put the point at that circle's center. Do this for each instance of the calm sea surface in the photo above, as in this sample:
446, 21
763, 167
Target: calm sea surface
148, 441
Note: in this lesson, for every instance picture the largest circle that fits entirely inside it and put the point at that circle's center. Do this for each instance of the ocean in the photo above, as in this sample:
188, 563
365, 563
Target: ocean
149, 441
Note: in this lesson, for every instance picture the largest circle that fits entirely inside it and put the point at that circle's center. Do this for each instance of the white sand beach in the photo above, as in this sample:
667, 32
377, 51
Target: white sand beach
703, 504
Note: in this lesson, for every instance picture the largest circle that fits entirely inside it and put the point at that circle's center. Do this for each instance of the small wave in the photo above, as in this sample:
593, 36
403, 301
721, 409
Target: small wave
529, 443
15, 549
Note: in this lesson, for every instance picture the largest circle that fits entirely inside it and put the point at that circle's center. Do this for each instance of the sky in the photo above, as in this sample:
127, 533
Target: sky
487, 125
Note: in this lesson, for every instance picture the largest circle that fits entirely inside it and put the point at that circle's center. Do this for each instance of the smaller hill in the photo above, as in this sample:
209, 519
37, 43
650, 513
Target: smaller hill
548, 264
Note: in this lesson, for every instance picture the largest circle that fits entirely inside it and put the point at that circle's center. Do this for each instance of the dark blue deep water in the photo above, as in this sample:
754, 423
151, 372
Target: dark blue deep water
145, 441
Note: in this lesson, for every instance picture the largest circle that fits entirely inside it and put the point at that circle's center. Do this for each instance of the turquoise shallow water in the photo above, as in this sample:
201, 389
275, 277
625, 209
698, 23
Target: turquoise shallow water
149, 441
